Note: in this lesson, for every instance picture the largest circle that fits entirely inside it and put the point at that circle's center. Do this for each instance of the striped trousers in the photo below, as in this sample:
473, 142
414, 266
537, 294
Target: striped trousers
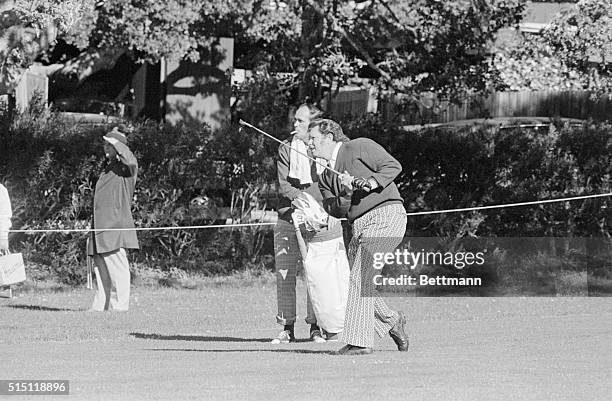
379, 230
288, 260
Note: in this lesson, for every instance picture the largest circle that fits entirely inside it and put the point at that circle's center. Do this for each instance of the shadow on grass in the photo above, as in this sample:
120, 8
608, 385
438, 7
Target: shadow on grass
292, 351
44, 308
178, 337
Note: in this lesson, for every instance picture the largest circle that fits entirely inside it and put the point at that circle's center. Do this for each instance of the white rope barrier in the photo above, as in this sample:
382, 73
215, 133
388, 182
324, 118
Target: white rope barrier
84, 230
469, 209
237, 225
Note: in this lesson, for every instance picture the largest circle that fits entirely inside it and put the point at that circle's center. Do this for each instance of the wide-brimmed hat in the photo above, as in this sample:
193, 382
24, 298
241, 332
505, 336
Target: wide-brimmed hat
115, 135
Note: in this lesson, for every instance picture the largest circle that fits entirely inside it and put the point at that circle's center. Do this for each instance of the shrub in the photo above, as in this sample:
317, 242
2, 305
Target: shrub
52, 166
477, 166
190, 176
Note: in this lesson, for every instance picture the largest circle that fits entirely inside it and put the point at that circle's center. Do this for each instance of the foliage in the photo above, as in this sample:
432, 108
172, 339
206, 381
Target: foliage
531, 65
414, 46
428, 45
190, 176
483, 166
151, 29
28, 28
581, 37
187, 176
573, 53
410, 46
263, 100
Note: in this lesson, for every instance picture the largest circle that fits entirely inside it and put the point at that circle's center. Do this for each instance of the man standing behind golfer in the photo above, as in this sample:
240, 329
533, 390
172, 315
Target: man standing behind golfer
112, 204
296, 174
378, 218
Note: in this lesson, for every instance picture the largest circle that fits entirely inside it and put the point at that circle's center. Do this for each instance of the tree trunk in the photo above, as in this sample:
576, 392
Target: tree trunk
311, 35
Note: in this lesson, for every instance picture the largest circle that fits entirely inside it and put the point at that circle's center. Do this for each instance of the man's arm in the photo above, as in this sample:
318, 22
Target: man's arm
126, 156
335, 205
285, 188
384, 166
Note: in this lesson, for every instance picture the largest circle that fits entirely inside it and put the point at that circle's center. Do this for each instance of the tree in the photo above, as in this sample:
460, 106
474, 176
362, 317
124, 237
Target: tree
102, 31
407, 46
429, 45
26, 30
572, 53
582, 39
529, 64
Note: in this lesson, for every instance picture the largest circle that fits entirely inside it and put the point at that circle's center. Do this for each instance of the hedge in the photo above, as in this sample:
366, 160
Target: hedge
190, 175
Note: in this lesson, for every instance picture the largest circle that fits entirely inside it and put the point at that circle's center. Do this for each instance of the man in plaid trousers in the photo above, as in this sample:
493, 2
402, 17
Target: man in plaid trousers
296, 174
378, 218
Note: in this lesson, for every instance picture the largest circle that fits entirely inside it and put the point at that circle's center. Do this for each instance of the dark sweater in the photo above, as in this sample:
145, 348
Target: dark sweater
289, 188
364, 158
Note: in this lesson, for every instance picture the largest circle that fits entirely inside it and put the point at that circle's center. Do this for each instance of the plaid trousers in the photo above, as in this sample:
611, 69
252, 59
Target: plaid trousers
288, 261
379, 230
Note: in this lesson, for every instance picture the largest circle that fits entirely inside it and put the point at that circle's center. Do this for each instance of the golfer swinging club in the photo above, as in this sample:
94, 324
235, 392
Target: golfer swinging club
378, 218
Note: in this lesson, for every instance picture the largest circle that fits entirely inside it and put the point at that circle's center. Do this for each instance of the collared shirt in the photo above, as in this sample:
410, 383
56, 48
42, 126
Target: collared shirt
334, 156
290, 188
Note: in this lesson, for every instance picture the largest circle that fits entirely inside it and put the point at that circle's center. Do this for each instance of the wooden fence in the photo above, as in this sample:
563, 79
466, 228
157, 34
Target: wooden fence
571, 104
31, 85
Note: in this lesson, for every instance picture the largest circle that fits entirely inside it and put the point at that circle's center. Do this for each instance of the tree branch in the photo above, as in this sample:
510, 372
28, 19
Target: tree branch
91, 62
386, 5
366, 56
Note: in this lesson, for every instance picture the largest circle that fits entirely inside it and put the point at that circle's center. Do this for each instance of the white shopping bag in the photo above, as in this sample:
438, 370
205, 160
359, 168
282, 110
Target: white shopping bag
327, 273
12, 269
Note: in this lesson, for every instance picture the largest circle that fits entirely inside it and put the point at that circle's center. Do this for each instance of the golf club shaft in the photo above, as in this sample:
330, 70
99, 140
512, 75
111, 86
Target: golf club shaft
244, 123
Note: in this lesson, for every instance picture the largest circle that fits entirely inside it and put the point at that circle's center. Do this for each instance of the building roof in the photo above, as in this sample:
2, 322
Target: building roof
543, 13
538, 15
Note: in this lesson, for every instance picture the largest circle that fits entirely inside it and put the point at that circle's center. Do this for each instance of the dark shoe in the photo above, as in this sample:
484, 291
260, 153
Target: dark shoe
398, 334
349, 349
332, 337
315, 336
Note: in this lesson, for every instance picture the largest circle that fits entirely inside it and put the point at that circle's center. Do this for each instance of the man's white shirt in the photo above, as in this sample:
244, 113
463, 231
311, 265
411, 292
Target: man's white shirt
334, 156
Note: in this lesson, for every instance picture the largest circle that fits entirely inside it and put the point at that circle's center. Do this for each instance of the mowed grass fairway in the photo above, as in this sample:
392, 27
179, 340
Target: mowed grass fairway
213, 344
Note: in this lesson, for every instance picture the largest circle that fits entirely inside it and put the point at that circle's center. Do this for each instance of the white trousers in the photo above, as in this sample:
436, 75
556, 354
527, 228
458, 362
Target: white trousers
113, 281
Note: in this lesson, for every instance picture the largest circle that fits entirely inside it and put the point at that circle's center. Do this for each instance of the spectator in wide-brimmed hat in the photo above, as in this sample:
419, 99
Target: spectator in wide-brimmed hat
112, 210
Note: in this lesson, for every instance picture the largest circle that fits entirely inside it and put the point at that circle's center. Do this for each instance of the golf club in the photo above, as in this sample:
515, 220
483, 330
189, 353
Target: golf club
324, 165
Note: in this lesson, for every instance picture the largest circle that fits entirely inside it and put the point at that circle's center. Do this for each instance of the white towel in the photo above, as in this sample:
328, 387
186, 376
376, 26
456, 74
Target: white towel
299, 165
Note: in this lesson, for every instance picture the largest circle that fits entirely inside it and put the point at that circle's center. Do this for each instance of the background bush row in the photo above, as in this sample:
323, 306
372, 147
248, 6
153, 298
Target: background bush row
194, 176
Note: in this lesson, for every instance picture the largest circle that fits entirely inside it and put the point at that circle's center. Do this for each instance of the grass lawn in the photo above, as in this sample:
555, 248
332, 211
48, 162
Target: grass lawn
213, 343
